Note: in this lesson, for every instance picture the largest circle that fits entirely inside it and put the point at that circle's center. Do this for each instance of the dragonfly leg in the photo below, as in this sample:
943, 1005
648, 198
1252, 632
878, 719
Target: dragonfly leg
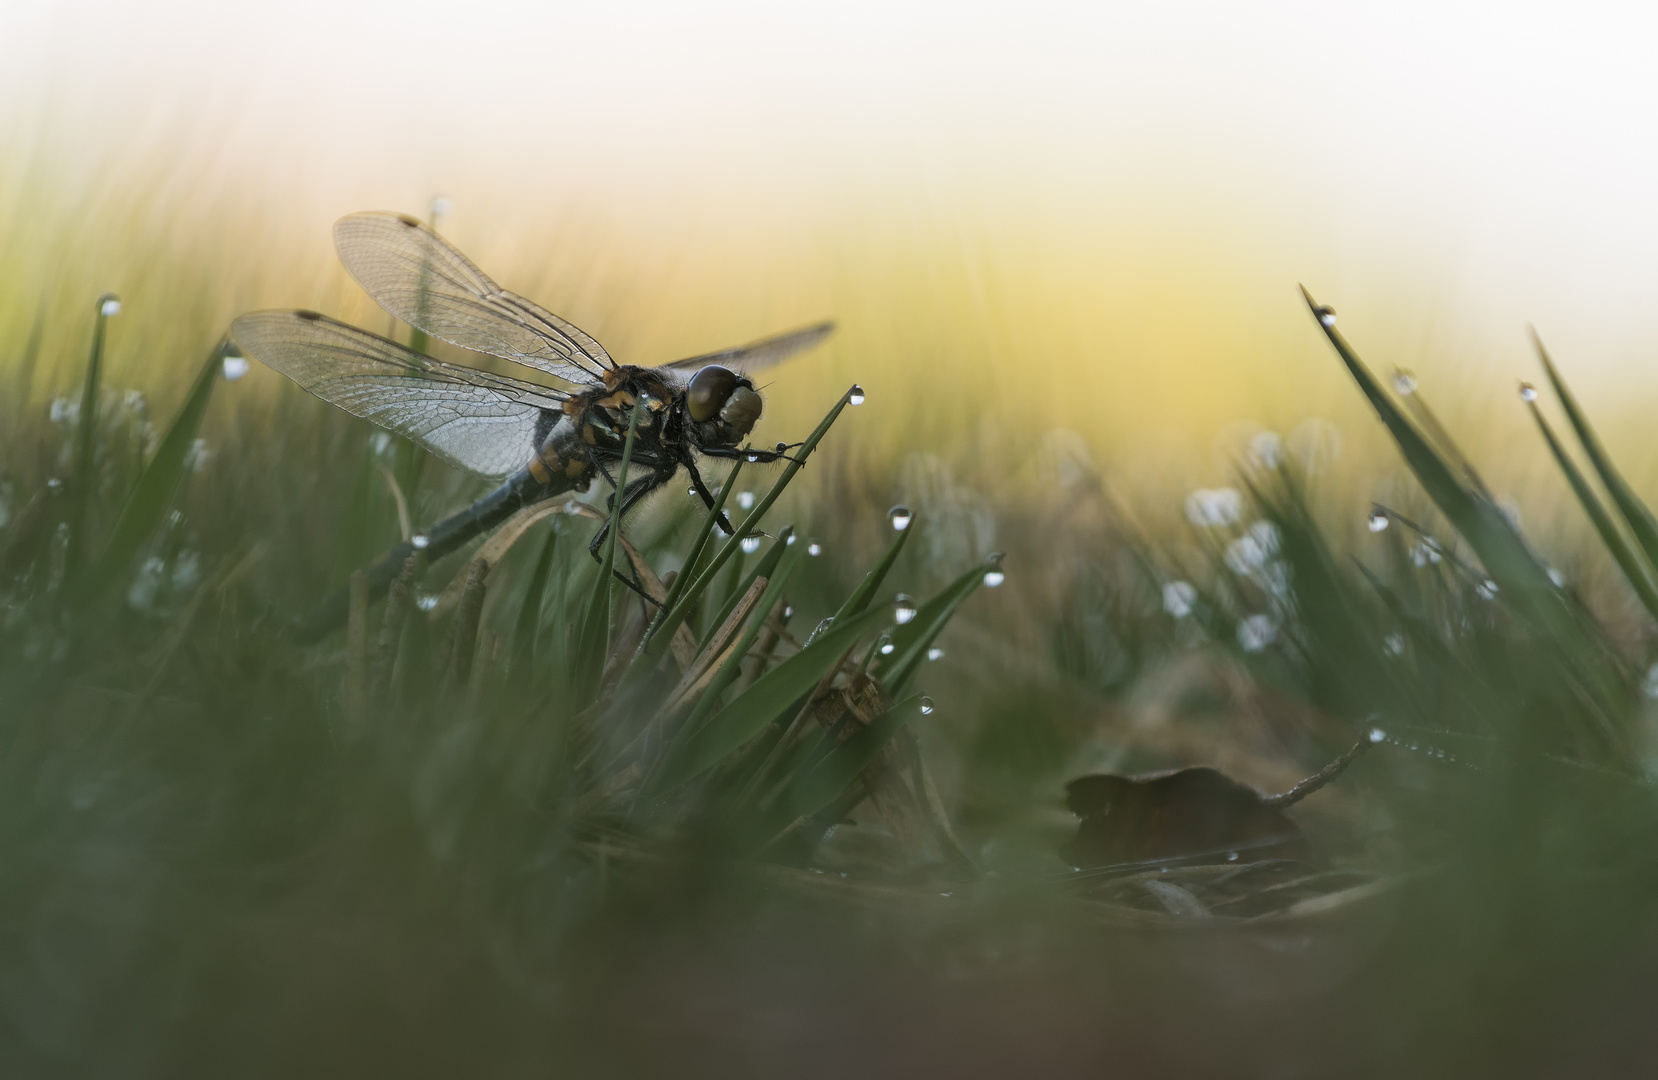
636, 490
707, 497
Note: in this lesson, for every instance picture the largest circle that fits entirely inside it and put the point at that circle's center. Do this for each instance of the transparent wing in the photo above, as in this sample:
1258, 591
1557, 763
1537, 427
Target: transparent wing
422, 279
762, 353
474, 420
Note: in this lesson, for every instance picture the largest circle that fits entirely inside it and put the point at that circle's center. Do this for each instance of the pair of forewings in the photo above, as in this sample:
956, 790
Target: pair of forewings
471, 418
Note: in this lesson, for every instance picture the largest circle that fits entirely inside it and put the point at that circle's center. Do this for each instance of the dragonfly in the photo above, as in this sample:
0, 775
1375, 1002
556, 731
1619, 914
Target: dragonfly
541, 441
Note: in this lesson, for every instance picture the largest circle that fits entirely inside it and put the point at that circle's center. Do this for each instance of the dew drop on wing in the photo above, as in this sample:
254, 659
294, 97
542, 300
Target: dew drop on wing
927, 710
855, 396
903, 609
900, 518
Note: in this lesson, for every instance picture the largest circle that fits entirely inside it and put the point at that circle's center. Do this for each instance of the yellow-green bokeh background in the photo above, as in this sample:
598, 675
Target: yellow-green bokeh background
1050, 218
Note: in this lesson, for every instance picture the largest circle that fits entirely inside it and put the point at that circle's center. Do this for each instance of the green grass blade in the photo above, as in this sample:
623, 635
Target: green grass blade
1636, 571
83, 478
865, 592
912, 640
687, 572
1634, 511
1480, 522
765, 568
157, 484
677, 613
768, 699
756, 621
596, 631
824, 783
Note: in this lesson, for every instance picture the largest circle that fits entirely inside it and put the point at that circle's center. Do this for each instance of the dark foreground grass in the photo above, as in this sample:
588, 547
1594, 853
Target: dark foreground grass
514, 821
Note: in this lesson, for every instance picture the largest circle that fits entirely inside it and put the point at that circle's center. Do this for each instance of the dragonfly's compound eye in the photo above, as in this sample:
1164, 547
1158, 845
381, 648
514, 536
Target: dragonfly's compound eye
708, 391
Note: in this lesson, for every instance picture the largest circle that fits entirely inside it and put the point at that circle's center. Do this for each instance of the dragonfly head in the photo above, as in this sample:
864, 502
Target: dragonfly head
724, 400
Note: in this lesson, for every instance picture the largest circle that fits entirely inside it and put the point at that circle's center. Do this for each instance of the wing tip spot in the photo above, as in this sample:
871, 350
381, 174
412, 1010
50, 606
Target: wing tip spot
411, 222
308, 315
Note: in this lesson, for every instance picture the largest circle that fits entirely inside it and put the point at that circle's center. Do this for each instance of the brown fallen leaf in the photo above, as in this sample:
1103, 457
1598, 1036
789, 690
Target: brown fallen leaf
1197, 813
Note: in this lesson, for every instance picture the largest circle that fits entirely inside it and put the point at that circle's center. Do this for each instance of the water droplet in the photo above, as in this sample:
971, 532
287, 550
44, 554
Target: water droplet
788, 611
900, 518
855, 396
1178, 598
745, 499
54, 484
109, 304
814, 549
788, 538
886, 647
1394, 644
935, 653
993, 578
1404, 382
927, 710
1487, 589
1257, 632
235, 367
1326, 316
1528, 392
751, 543
818, 630
1557, 577
1212, 507
752, 457
440, 207
420, 540
903, 609
426, 601
1377, 735
1378, 520
1231, 856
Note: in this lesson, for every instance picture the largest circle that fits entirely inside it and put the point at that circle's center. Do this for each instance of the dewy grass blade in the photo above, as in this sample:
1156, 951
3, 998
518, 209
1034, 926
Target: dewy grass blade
1634, 511
912, 640
671, 605
733, 543
596, 630
733, 666
82, 479
766, 567
148, 501
771, 695
1635, 570
861, 596
1499, 547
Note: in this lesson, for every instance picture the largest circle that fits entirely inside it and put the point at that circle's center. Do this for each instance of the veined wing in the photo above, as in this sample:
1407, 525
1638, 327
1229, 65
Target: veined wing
474, 420
762, 353
422, 279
